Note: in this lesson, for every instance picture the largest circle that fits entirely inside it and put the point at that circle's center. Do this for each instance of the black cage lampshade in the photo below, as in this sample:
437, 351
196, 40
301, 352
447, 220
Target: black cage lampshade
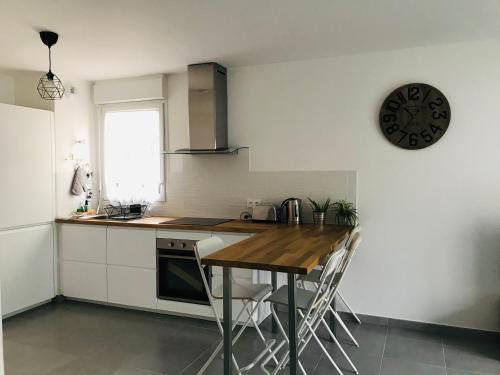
50, 86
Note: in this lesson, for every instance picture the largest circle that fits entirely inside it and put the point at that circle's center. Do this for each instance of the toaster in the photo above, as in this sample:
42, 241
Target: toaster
265, 212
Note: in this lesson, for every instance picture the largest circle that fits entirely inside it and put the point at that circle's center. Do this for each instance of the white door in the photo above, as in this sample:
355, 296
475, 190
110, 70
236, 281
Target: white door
131, 247
84, 280
82, 243
132, 286
26, 166
26, 267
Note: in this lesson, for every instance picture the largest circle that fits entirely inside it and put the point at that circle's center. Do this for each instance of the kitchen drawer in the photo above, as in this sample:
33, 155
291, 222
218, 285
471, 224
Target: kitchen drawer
132, 286
84, 280
82, 243
131, 247
182, 234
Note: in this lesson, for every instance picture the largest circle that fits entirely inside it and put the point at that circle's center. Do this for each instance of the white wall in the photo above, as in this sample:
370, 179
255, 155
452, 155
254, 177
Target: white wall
20, 88
7, 93
431, 218
75, 120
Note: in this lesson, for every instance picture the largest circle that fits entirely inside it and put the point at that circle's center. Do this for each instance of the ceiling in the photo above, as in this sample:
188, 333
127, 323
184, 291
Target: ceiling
120, 38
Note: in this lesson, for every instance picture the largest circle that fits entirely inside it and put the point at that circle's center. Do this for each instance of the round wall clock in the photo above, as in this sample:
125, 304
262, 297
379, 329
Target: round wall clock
415, 116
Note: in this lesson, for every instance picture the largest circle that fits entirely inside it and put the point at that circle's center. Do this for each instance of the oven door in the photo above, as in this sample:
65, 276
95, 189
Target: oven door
179, 278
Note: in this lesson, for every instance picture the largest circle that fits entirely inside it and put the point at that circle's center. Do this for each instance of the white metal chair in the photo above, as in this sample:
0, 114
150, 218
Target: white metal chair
247, 294
311, 307
314, 277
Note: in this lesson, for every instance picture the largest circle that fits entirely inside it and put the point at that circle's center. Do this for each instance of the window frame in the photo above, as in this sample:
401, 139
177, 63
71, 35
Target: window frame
132, 106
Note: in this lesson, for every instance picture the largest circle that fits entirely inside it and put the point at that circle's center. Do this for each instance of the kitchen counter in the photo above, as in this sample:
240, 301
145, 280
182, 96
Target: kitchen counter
275, 245
236, 226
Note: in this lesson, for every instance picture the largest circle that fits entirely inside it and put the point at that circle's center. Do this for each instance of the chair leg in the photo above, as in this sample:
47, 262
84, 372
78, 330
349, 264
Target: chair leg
342, 324
337, 343
259, 332
349, 308
326, 351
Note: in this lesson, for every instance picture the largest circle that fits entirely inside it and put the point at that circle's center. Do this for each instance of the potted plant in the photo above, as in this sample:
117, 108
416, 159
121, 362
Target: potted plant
345, 213
319, 210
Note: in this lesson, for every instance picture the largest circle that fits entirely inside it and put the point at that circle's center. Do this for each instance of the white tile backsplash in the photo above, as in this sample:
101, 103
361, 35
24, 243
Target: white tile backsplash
219, 185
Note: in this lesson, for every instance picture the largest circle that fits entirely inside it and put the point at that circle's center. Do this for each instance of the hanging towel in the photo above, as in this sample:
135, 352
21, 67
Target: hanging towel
79, 185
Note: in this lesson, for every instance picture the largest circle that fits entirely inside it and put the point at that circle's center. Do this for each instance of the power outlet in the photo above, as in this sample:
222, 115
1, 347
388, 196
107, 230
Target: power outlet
252, 202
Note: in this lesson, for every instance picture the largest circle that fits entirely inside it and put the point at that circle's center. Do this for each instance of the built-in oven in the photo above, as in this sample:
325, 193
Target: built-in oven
178, 274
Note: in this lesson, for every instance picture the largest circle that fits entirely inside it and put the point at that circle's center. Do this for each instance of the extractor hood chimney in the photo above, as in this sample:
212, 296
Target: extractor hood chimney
207, 101
207, 107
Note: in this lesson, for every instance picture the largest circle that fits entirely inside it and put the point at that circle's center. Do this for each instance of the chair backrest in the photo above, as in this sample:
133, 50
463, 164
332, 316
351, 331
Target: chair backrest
334, 259
208, 246
356, 230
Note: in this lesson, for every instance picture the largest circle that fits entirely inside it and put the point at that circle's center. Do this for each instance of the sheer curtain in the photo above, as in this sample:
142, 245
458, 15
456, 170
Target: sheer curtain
131, 147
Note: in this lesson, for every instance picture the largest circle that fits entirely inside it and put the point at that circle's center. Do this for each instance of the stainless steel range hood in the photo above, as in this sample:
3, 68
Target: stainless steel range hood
207, 98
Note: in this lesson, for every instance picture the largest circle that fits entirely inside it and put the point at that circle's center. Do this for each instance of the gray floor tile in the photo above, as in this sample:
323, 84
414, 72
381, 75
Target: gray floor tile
366, 365
392, 366
414, 346
79, 338
22, 359
81, 367
452, 371
477, 357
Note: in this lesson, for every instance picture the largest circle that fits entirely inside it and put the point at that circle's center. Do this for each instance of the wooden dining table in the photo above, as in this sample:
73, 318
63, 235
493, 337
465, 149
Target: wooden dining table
291, 249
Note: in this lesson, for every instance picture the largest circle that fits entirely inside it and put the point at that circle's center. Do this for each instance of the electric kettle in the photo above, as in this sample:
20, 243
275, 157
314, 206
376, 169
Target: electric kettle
291, 211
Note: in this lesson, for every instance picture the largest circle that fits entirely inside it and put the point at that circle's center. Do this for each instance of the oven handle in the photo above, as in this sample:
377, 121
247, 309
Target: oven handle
176, 257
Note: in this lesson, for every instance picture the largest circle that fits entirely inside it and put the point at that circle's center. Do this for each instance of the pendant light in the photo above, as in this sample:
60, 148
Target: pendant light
50, 86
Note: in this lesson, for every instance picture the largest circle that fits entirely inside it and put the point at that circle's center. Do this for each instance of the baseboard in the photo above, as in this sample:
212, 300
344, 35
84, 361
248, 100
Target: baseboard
421, 326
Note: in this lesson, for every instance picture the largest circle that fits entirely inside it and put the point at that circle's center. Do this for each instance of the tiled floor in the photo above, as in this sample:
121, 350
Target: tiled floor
83, 339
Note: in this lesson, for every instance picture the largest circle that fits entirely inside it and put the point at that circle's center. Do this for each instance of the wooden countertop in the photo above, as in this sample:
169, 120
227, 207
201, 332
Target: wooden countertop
284, 248
274, 247
236, 226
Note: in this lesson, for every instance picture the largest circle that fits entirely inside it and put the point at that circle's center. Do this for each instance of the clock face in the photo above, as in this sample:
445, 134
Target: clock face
415, 116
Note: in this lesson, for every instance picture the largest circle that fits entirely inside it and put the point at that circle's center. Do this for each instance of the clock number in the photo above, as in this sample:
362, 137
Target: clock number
392, 106
403, 137
413, 139
426, 136
389, 118
435, 128
437, 103
391, 129
437, 115
401, 97
413, 93
426, 95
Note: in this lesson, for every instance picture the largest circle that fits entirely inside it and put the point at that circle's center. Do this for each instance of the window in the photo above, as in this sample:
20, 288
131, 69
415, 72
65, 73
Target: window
132, 165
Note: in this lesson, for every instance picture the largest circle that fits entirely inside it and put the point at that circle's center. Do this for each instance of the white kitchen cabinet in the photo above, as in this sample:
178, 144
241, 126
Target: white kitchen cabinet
84, 280
82, 243
131, 247
26, 267
182, 234
26, 152
132, 286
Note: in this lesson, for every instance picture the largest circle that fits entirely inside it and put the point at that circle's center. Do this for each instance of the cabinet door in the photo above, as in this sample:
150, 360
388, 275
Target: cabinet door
84, 280
132, 286
182, 234
82, 243
132, 247
26, 146
26, 267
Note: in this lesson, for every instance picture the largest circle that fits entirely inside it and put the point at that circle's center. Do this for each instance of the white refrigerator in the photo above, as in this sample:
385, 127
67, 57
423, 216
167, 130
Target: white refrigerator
26, 207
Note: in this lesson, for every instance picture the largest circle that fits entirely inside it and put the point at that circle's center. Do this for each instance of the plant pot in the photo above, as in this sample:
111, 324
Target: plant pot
318, 218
